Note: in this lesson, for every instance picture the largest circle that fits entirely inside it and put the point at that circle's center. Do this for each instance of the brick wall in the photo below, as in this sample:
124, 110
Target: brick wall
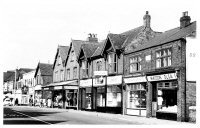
190, 97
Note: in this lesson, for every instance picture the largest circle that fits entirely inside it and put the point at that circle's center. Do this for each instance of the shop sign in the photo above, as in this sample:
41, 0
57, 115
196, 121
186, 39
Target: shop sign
70, 87
46, 88
38, 87
170, 76
113, 80
86, 83
57, 87
135, 79
99, 81
100, 73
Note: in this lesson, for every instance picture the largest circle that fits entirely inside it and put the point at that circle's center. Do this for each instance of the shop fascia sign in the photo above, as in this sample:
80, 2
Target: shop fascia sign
100, 73
135, 79
170, 76
114, 80
86, 83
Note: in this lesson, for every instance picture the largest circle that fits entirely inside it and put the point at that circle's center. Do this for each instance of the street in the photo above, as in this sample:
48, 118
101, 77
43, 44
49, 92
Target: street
36, 115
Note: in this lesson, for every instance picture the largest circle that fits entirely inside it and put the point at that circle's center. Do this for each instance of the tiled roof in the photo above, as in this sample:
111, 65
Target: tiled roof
46, 69
117, 40
8, 76
99, 49
63, 51
77, 45
89, 49
168, 36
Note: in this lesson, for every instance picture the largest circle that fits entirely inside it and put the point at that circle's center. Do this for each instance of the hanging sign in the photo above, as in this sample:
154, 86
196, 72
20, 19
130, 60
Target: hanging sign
170, 76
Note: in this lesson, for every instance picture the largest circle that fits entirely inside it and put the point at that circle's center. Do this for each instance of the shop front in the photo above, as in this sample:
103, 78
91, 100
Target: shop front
109, 94
38, 95
58, 97
47, 96
85, 92
70, 96
135, 96
164, 95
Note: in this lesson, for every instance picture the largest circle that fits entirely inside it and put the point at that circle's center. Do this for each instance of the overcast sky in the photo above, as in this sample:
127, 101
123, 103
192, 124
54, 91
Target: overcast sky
30, 31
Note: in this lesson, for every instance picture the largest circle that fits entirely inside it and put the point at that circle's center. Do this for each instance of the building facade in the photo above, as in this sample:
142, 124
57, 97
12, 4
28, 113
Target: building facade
43, 77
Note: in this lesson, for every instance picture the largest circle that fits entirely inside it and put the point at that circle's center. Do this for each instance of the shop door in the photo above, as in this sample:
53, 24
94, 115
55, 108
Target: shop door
154, 99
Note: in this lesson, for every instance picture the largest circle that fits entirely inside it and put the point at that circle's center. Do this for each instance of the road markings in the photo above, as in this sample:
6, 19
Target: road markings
32, 117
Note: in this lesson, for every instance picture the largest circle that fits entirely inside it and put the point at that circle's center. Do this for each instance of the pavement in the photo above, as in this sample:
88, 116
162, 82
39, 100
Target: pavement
138, 119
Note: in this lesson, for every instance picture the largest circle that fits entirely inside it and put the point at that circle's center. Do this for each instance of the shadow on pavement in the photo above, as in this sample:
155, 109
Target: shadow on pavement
12, 118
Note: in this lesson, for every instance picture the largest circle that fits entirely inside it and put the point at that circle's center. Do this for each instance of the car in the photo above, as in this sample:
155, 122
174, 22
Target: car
7, 102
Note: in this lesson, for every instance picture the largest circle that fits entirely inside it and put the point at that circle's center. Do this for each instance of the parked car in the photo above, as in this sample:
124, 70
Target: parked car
7, 102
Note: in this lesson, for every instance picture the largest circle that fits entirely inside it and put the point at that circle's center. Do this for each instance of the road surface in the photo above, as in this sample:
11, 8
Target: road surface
47, 116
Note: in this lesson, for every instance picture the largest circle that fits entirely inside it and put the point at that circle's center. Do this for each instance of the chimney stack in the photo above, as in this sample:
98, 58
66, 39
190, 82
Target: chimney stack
147, 19
92, 38
185, 20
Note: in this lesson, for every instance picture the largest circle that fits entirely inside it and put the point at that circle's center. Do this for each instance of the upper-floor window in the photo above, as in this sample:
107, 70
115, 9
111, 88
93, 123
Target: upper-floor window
85, 68
59, 60
75, 73
68, 74
112, 63
135, 64
163, 58
61, 75
56, 76
99, 65
72, 56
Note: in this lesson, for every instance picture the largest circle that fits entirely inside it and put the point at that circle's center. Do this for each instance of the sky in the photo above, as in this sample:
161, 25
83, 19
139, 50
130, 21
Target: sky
31, 30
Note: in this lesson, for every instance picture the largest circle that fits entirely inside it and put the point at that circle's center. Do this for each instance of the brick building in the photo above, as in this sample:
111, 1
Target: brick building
155, 73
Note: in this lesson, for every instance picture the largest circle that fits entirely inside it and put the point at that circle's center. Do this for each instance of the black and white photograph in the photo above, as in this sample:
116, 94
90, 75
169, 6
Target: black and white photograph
99, 62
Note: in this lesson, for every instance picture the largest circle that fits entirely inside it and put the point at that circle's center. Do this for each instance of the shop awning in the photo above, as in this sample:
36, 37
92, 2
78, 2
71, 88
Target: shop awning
65, 83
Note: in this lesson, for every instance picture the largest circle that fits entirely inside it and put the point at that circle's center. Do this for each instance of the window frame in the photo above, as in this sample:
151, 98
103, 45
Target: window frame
68, 74
112, 63
162, 57
138, 63
75, 73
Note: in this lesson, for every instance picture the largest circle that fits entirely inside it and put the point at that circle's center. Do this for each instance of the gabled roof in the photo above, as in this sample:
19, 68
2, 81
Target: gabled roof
117, 40
63, 50
89, 49
168, 36
99, 49
45, 69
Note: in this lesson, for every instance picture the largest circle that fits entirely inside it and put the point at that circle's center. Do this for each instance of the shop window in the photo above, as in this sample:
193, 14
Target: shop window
75, 73
167, 97
88, 98
163, 58
135, 64
68, 74
136, 96
113, 96
71, 98
101, 96
112, 63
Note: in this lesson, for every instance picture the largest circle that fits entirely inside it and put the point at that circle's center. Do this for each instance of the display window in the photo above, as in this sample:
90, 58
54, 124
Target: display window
88, 98
167, 96
71, 98
58, 98
136, 96
101, 96
114, 96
